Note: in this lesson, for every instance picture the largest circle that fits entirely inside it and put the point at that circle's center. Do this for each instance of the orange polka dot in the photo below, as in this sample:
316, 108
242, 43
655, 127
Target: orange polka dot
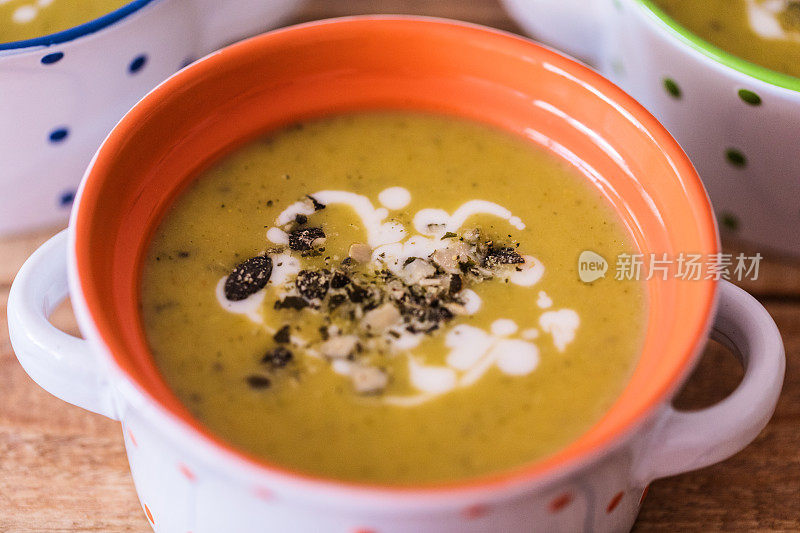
263, 494
614, 502
644, 494
187, 473
475, 511
132, 438
363, 530
149, 514
559, 503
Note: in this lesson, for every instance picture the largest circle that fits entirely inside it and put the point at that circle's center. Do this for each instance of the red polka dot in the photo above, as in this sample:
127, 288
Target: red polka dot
132, 438
149, 514
644, 494
263, 494
364, 530
559, 503
475, 511
187, 473
614, 502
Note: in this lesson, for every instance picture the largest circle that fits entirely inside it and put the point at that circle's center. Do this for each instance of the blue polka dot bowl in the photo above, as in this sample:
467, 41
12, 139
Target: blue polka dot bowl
61, 94
737, 121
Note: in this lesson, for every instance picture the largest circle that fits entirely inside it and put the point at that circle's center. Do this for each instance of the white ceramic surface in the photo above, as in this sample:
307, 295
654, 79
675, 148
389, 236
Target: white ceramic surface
186, 484
58, 101
745, 151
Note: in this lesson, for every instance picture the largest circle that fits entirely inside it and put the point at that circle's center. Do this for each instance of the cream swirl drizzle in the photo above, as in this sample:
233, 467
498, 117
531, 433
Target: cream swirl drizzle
763, 18
472, 351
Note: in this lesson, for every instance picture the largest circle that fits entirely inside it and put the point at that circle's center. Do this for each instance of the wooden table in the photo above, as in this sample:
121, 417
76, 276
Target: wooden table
64, 469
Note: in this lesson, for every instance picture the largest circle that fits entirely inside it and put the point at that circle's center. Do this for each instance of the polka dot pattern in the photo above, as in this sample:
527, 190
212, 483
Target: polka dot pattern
66, 199
614, 503
59, 135
749, 97
476, 511
560, 502
263, 494
187, 472
55, 57
672, 88
736, 157
729, 221
137, 64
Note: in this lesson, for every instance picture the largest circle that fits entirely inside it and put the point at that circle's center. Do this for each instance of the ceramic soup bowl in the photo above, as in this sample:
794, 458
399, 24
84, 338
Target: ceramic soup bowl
61, 94
191, 480
736, 120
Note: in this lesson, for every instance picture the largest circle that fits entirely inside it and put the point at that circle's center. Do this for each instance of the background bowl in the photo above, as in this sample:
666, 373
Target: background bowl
737, 121
61, 94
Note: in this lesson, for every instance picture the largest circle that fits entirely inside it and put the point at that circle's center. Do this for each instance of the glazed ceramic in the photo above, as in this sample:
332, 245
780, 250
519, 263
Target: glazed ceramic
736, 120
61, 94
189, 479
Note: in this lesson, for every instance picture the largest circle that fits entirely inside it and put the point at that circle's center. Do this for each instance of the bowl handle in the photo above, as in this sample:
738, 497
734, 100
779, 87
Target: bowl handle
687, 440
61, 364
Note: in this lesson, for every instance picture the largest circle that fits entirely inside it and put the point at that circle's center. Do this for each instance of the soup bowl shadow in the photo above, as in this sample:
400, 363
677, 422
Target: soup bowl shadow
190, 479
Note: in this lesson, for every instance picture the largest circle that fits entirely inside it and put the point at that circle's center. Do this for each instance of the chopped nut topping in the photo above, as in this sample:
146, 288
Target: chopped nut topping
282, 336
368, 309
361, 253
357, 294
471, 236
306, 238
339, 280
313, 284
417, 270
277, 358
339, 347
502, 256
317, 205
368, 379
379, 319
455, 284
248, 278
291, 302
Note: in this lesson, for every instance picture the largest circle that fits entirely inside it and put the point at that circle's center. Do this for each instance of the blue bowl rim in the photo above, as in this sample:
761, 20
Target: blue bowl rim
78, 31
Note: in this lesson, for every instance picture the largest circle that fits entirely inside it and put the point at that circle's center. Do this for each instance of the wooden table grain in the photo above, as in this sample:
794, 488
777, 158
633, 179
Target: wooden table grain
64, 469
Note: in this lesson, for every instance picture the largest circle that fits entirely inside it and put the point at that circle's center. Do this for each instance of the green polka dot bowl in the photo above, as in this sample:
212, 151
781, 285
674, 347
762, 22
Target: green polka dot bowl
737, 121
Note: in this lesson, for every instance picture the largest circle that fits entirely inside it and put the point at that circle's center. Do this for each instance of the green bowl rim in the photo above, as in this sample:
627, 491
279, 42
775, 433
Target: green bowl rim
753, 70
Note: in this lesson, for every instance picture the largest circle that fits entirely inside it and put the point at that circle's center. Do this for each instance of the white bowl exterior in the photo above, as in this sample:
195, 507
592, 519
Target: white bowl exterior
758, 201
88, 90
186, 487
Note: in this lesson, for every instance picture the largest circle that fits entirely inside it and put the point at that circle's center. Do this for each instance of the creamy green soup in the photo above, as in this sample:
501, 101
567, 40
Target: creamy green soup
28, 19
765, 32
392, 298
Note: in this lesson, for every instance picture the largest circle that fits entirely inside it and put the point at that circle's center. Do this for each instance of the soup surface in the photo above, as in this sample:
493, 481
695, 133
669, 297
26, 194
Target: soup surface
765, 32
28, 19
392, 298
